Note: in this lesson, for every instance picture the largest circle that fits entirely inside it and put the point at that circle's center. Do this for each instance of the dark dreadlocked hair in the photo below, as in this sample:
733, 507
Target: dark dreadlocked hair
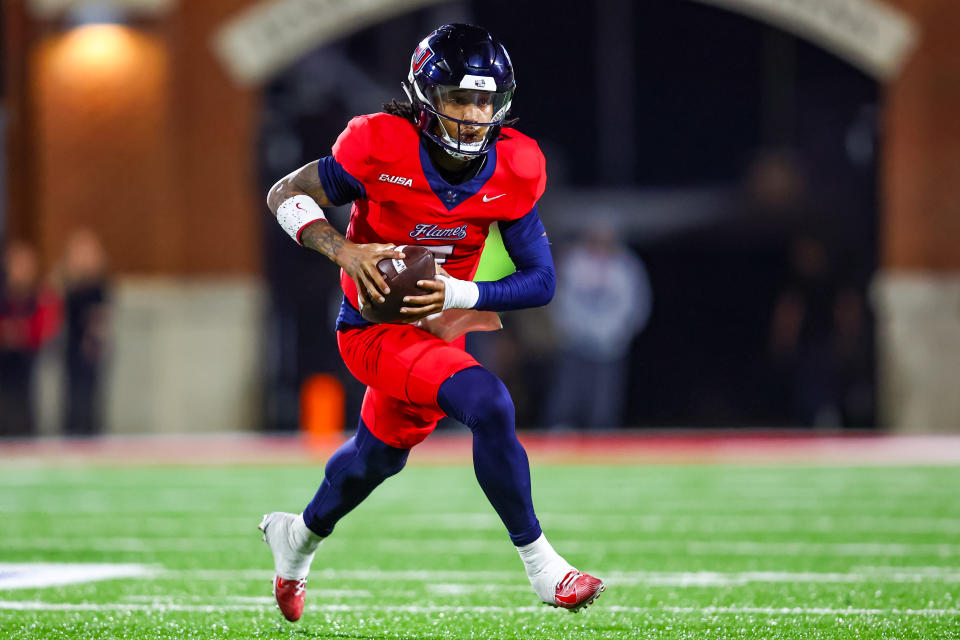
404, 110
401, 109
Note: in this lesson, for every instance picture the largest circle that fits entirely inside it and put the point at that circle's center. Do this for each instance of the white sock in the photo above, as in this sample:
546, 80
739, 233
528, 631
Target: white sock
306, 540
545, 567
294, 558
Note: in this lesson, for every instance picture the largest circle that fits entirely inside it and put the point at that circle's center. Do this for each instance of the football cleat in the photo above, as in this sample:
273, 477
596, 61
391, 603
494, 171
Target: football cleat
290, 595
577, 590
290, 563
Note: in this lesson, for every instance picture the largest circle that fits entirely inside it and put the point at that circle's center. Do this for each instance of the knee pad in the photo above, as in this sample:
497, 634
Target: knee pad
478, 399
390, 461
381, 459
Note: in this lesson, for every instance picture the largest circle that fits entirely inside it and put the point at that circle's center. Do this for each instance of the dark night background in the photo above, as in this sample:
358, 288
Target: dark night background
694, 97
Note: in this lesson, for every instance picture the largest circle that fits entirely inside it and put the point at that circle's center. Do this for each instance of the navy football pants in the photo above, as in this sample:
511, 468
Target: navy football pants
476, 398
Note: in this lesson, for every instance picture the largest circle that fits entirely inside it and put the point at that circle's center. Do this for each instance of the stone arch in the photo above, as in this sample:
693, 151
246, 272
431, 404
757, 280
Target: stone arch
869, 34
269, 34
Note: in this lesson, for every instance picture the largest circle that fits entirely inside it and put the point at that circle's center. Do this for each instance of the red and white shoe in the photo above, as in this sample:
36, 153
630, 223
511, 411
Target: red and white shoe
291, 562
577, 590
290, 595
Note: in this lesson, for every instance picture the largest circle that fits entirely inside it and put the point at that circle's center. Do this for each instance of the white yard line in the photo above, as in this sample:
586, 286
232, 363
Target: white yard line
445, 546
373, 575
174, 524
480, 579
321, 594
164, 607
715, 579
39, 575
147, 500
689, 547
121, 544
705, 523
644, 499
797, 611
732, 523
227, 533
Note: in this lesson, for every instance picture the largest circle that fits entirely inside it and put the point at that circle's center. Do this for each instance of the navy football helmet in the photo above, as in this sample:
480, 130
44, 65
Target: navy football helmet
455, 68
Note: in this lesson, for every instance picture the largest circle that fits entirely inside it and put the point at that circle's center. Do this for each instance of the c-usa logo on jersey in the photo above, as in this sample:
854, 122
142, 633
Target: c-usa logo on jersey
401, 180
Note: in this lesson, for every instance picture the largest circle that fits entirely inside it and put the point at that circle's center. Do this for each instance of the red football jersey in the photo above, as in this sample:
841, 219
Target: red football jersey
407, 202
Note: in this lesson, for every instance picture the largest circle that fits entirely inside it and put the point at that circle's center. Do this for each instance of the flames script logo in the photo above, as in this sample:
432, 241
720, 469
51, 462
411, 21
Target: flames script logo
425, 231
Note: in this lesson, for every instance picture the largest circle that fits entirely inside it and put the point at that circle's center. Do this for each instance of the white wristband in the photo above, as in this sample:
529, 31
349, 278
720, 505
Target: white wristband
459, 294
297, 212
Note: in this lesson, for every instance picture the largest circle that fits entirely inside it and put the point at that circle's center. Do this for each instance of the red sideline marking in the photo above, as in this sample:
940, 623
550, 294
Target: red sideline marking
630, 447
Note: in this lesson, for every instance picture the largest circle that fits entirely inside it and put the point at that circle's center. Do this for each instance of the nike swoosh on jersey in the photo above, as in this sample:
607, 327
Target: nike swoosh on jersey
489, 199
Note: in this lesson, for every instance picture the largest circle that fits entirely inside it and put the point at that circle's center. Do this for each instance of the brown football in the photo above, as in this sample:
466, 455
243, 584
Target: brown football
402, 277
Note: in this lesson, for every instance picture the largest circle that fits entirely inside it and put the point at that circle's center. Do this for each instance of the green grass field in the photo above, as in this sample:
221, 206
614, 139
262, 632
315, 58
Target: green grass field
686, 552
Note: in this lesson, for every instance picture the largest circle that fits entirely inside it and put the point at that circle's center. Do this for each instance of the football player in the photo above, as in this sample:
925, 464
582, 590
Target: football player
435, 171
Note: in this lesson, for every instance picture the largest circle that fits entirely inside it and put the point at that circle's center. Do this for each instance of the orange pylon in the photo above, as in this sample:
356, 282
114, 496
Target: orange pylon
322, 410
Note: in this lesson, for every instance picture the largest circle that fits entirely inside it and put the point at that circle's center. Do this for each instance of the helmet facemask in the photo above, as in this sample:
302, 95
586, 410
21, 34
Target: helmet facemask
462, 139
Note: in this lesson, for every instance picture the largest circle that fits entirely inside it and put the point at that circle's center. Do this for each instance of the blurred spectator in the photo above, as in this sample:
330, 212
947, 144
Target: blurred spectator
603, 300
86, 298
29, 317
819, 341
522, 353
774, 182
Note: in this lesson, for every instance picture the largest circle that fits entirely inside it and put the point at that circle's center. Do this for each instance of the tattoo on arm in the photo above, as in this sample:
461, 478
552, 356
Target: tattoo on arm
308, 180
322, 237
355, 265
303, 181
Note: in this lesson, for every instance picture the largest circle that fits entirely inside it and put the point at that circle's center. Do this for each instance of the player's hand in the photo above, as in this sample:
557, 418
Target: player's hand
360, 263
419, 307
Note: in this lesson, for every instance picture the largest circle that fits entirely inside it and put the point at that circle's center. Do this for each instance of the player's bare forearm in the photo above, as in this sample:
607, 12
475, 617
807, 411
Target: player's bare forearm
303, 181
323, 238
359, 261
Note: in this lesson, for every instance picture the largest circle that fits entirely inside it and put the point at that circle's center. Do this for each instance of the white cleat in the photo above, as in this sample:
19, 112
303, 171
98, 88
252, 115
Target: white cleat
291, 563
555, 581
